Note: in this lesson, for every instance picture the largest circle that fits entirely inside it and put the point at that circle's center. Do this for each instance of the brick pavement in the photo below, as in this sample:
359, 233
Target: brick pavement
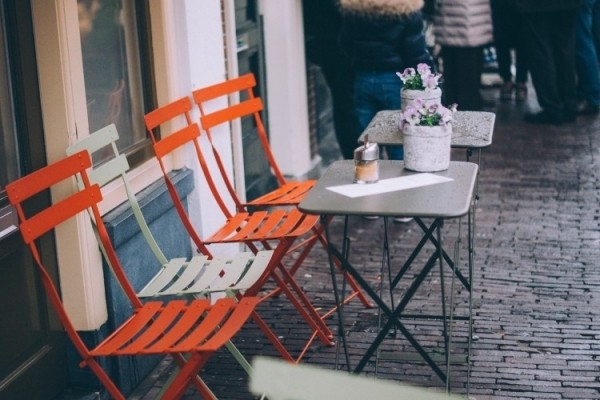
537, 277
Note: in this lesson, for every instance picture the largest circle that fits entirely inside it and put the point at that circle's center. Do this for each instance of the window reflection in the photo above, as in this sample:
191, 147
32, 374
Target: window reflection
111, 66
9, 163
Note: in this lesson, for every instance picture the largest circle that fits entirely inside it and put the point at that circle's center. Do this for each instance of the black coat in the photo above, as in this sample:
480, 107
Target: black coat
542, 6
385, 42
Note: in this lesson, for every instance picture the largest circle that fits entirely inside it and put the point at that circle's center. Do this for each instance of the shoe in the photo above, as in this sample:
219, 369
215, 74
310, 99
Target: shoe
371, 217
506, 91
544, 118
521, 92
586, 108
402, 220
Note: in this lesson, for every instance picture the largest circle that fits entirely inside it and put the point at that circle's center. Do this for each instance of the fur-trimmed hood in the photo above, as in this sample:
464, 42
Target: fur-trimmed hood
380, 7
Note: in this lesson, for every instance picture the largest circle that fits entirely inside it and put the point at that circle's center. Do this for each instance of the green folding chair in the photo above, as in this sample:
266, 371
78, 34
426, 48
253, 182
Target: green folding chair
197, 277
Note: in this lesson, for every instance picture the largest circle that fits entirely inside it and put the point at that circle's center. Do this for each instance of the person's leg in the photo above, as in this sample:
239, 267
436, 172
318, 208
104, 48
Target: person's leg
340, 77
517, 42
588, 69
468, 78
389, 90
451, 69
502, 27
502, 34
365, 99
563, 35
537, 33
596, 26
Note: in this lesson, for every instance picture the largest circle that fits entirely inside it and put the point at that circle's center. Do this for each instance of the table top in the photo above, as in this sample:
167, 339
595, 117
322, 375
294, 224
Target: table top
444, 200
470, 129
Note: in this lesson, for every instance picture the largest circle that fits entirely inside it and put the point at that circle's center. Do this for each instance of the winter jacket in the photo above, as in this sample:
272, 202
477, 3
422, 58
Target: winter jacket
542, 6
384, 35
463, 23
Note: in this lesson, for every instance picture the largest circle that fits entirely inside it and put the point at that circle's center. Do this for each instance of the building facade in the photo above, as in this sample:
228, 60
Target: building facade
70, 67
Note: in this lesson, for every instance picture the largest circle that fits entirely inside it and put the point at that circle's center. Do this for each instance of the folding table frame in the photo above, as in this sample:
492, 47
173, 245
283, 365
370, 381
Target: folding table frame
439, 201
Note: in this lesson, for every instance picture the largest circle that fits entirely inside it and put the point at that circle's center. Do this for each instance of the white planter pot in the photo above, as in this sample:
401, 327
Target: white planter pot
408, 97
427, 148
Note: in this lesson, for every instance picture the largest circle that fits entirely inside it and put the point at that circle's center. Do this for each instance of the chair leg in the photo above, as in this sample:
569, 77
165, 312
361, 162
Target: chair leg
188, 371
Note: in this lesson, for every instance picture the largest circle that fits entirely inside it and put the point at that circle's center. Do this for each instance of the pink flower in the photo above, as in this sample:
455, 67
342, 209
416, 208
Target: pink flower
431, 82
424, 70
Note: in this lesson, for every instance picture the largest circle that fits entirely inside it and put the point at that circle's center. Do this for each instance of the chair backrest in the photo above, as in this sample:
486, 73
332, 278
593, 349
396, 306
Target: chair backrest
188, 135
280, 380
34, 224
115, 167
241, 102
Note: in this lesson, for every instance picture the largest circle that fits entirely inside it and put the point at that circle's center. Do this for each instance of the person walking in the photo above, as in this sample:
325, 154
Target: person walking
587, 40
462, 28
508, 36
549, 35
382, 37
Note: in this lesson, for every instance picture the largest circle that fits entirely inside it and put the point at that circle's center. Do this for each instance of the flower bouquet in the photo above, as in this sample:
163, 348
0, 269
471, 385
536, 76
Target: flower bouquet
427, 131
422, 84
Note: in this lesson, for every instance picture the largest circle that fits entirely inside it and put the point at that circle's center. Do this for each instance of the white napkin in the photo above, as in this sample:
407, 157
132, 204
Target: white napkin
389, 185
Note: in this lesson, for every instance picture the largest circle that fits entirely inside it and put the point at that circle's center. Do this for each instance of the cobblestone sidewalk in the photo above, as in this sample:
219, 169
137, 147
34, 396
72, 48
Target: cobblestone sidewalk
537, 278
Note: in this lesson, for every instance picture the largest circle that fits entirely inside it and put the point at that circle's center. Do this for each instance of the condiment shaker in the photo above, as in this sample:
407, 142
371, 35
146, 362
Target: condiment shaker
366, 162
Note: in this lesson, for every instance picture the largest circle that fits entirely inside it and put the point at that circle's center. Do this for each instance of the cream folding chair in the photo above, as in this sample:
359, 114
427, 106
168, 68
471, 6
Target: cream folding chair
200, 276
283, 381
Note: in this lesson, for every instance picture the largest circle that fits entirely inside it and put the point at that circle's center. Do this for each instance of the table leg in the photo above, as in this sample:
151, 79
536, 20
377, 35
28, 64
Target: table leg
338, 300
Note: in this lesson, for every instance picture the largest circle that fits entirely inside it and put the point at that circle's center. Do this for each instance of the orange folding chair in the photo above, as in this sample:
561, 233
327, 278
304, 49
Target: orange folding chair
195, 329
240, 103
275, 230
287, 192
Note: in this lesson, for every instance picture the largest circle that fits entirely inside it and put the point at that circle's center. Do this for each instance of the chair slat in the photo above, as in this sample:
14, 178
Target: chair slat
161, 115
156, 329
240, 110
37, 181
218, 313
162, 279
189, 318
243, 82
176, 139
47, 219
128, 330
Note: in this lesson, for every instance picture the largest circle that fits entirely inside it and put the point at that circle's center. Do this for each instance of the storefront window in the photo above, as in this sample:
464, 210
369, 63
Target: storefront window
9, 163
113, 35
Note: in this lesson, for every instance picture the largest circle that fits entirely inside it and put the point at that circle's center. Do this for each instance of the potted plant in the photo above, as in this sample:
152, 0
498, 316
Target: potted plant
427, 131
419, 84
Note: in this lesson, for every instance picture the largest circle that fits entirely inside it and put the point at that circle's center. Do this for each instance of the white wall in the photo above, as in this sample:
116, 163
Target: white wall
286, 81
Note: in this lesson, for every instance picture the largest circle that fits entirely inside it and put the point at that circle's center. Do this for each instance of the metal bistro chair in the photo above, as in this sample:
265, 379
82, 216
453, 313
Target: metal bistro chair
270, 229
240, 104
199, 277
288, 192
195, 328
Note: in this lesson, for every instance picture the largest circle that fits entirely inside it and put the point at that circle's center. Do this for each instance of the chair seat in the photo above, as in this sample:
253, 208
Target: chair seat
178, 327
291, 193
202, 276
264, 225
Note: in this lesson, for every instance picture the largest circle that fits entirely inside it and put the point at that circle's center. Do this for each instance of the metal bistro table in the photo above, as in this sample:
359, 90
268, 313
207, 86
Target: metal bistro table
439, 202
471, 130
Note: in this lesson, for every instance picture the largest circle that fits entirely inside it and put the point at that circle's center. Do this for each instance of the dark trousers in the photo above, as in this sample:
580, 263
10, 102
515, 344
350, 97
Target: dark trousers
550, 40
507, 36
462, 77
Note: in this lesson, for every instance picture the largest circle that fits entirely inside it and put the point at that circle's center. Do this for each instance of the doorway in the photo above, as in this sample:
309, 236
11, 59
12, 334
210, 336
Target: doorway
250, 54
32, 343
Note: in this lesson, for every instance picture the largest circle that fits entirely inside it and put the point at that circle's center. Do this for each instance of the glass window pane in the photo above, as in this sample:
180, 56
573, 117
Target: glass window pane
9, 162
111, 66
